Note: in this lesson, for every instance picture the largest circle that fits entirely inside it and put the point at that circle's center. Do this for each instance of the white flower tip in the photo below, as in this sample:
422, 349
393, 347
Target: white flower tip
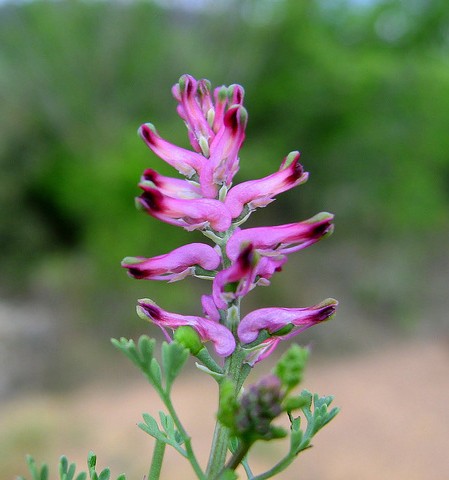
319, 217
131, 261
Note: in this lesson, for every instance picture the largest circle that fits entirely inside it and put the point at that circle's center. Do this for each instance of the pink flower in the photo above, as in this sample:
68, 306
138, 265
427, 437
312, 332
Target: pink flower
262, 351
186, 162
191, 214
208, 330
259, 193
236, 280
194, 104
232, 95
175, 265
223, 162
204, 115
276, 318
209, 308
248, 271
281, 239
173, 187
216, 128
267, 267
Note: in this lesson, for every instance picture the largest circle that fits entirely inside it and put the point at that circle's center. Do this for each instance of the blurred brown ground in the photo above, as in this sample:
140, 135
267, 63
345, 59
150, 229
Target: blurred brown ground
394, 421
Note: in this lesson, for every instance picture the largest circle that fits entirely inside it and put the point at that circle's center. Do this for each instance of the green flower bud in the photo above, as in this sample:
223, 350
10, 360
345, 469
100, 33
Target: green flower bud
210, 117
222, 93
188, 338
204, 144
290, 367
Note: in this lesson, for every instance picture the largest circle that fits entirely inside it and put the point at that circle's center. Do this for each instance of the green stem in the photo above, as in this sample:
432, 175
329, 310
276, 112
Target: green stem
156, 462
235, 370
281, 465
218, 452
187, 440
238, 456
247, 469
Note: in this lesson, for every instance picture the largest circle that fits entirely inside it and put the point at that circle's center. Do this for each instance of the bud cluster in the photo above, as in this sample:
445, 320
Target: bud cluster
259, 406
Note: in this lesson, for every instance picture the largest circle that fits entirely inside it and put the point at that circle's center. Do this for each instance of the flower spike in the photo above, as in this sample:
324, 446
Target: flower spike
175, 265
241, 259
208, 330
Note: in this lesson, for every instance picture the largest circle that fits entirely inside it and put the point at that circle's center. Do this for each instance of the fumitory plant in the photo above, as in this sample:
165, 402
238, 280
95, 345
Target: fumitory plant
225, 344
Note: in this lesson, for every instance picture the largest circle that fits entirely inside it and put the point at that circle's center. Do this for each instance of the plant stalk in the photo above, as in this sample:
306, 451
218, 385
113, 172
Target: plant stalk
187, 440
156, 462
217, 458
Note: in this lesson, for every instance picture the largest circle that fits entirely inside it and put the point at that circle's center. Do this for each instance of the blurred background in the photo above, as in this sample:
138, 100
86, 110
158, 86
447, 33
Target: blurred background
361, 88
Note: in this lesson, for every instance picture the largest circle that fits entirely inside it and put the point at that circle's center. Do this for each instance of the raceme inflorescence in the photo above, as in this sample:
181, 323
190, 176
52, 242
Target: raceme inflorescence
239, 260
206, 200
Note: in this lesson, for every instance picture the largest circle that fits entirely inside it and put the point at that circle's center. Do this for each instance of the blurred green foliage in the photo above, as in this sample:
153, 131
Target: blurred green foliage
363, 92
